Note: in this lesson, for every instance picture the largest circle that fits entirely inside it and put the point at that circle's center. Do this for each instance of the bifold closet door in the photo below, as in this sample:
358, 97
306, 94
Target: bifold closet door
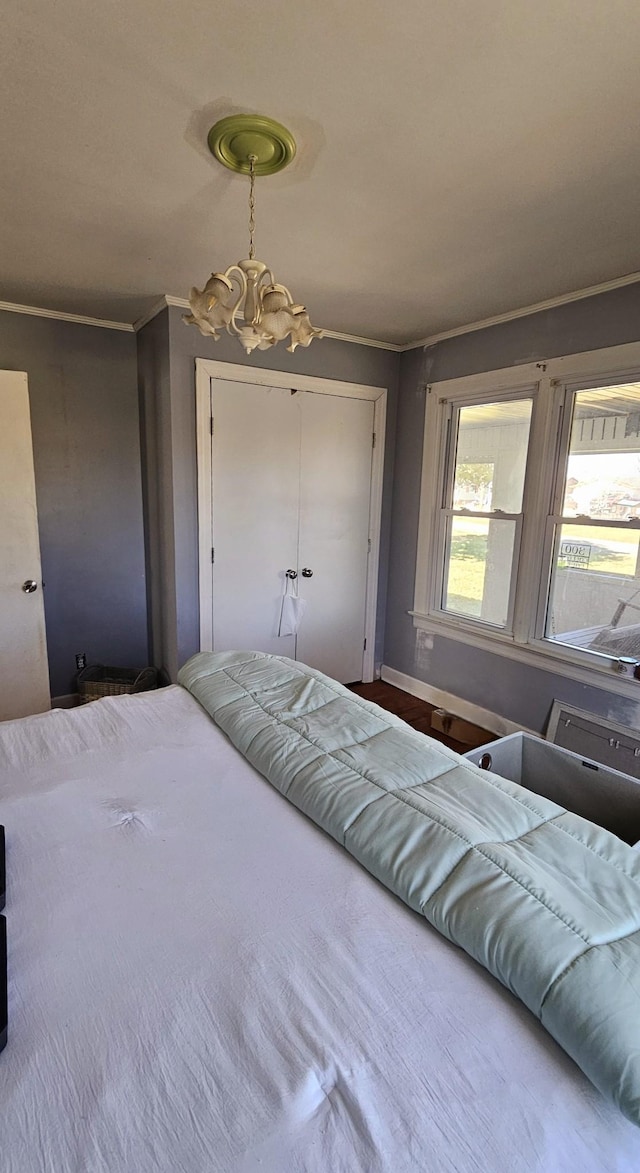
255, 469
291, 488
335, 489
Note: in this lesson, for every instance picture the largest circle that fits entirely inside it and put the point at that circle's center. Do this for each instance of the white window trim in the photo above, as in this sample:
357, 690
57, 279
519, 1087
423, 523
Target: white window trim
446, 476
525, 642
208, 369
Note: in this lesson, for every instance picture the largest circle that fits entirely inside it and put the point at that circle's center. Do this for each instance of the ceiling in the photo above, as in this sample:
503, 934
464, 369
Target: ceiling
457, 158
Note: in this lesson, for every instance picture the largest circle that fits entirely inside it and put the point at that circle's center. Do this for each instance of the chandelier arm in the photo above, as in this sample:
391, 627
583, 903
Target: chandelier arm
235, 273
265, 281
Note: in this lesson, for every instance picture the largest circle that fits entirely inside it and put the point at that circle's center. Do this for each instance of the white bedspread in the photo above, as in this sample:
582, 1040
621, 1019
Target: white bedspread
201, 981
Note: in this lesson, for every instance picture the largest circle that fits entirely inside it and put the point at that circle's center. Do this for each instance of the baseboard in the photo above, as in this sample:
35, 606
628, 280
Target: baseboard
453, 704
68, 701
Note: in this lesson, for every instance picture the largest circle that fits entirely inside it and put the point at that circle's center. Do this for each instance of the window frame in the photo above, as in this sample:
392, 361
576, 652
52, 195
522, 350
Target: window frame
446, 512
552, 384
566, 391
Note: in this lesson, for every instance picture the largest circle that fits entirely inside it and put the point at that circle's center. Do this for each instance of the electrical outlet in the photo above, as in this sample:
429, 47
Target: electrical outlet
81, 660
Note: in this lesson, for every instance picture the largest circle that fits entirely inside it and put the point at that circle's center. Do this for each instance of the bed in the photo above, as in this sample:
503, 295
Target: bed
202, 980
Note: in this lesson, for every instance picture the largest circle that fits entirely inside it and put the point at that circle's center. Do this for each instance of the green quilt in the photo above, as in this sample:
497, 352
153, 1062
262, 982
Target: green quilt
546, 901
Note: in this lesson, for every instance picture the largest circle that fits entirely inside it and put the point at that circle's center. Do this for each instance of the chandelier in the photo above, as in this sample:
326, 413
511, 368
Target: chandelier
246, 300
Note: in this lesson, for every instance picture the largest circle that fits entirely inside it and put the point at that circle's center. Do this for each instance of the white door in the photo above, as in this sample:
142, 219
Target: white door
335, 489
24, 678
291, 489
256, 470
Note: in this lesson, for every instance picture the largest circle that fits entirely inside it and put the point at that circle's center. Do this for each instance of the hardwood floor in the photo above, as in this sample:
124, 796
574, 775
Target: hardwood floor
417, 713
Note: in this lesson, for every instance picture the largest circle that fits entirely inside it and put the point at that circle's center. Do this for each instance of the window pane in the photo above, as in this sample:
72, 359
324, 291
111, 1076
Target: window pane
491, 456
595, 590
603, 473
478, 570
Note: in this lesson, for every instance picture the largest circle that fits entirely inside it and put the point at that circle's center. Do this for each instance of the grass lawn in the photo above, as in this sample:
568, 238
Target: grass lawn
465, 586
612, 552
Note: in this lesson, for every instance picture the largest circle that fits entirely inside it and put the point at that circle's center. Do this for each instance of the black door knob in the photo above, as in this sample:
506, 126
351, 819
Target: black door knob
306, 573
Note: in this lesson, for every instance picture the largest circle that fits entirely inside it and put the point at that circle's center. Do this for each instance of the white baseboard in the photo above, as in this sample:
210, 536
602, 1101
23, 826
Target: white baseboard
68, 701
453, 704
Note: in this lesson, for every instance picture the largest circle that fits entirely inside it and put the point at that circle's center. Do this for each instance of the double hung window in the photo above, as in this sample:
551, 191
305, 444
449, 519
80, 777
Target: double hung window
530, 509
594, 530
481, 515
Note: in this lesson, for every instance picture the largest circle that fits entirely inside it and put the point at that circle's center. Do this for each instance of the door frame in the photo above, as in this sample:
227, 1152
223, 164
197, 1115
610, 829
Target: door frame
208, 369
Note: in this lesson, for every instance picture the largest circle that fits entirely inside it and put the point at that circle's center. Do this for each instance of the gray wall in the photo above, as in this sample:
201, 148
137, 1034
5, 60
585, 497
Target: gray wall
177, 577
522, 694
84, 420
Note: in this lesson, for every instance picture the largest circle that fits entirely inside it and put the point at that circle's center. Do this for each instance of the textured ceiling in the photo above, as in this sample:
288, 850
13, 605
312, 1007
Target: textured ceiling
457, 158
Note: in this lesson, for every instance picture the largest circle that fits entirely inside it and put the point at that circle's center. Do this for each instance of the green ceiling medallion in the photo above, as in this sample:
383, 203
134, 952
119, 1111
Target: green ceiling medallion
234, 139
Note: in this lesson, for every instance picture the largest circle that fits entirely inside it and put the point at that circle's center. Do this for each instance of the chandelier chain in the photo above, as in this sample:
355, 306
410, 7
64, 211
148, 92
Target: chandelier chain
252, 206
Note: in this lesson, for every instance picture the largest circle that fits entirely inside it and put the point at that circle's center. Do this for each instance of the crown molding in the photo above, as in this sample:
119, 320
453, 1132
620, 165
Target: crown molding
60, 316
399, 348
536, 308
182, 302
396, 347
157, 308
483, 323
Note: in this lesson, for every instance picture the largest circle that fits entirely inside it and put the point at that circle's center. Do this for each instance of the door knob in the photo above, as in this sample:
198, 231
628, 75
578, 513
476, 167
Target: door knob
306, 573
29, 586
291, 573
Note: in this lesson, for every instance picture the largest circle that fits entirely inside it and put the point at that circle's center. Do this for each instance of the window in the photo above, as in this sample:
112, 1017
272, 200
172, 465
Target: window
594, 598
482, 515
530, 510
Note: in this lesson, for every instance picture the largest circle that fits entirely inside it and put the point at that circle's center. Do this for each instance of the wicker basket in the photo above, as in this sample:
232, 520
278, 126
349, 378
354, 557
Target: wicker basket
98, 681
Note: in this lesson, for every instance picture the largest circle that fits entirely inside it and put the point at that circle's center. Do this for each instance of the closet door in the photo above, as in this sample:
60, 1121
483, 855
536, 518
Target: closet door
255, 470
335, 488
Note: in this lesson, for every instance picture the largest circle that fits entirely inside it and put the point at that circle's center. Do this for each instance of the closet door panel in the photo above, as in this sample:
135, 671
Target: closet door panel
255, 470
335, 482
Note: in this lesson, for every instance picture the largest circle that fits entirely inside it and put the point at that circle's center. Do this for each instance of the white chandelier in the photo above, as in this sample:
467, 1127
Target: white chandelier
246, 300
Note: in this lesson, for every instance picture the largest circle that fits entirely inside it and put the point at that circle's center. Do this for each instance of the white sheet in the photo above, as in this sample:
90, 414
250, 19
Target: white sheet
200, 980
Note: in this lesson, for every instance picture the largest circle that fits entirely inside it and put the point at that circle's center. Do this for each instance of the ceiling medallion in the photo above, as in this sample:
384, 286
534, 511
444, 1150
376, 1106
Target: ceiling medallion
252, 145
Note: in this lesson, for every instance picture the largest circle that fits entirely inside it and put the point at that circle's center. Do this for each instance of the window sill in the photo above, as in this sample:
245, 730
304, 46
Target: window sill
558, 661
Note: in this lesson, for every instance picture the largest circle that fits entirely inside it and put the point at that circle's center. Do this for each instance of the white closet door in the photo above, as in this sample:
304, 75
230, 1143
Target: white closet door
24, 681
335, 487
256, 462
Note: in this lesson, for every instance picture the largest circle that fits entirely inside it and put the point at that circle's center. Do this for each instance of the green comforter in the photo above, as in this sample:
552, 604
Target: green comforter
547, 902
